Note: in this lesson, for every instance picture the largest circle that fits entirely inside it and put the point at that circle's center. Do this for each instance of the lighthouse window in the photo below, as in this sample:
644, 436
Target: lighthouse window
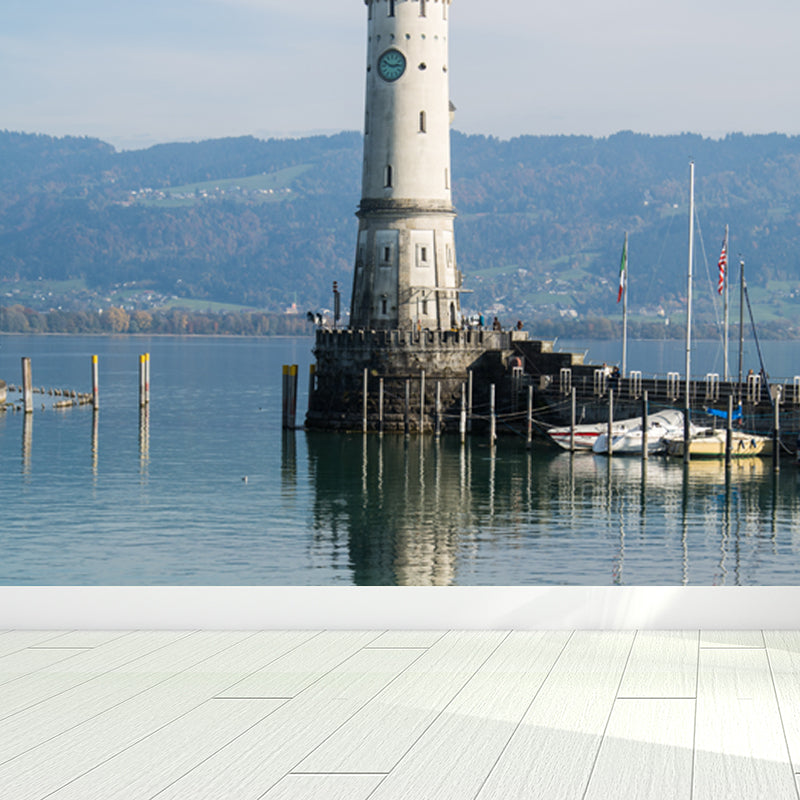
391, 8
422, 8
388, 177
383, 306
422, 122
425, 307
387, 256
446, 178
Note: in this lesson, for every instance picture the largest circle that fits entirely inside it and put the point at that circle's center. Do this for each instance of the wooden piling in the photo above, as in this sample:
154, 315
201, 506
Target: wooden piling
380, 405
729, 432
27, 386
776, 431
469, 401
147, 379
95, 384
645, 412
407, 410
573, 414
609, 442
421, 400
289, 396
529, 438
492, 417
438, 428
141, 380
462, 422
364, 398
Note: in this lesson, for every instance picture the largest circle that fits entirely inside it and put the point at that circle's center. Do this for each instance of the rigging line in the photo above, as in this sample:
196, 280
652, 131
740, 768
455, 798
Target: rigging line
714, 295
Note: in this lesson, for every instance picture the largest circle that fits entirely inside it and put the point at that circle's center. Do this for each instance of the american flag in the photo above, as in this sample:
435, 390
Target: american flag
722, 264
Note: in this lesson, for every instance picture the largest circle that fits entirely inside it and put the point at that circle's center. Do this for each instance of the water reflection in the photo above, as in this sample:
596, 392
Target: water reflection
415, 511
27, 444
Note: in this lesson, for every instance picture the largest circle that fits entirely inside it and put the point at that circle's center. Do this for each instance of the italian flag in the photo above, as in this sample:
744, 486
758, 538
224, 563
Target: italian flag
623, 269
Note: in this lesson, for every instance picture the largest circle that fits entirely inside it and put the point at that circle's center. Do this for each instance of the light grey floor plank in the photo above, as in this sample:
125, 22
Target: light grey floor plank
455, 754
303, 666
376, 738
85, 638
662, 664
48, 683
83, 707
14, 641
731, 639
740, 748
783, 650
408, 639
127, 707
646, 751
329, 787
29, 661
145, 768
257, 760
552, 753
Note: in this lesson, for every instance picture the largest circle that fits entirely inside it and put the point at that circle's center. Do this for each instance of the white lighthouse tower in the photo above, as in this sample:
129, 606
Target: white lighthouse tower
405, 269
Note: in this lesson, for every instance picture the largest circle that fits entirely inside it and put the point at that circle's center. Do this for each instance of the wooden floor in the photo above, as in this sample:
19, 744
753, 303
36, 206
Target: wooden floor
480, 714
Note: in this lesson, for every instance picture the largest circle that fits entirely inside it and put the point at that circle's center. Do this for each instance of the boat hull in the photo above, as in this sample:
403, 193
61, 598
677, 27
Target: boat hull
712, 445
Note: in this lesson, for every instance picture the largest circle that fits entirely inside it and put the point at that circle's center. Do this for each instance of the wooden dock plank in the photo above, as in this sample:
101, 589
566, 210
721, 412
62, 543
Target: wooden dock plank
552, 752
303, 666
783, 650
451, 760
731, 639
662, 664
740, 748
159, 759
85, 667
646, 751
255, 762
377, 737
123, 705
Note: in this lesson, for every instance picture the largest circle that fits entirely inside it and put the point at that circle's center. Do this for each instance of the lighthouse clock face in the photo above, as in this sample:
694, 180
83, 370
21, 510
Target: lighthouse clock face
391, 65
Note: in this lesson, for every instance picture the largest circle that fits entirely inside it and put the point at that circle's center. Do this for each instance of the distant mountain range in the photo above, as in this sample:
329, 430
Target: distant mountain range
270, 224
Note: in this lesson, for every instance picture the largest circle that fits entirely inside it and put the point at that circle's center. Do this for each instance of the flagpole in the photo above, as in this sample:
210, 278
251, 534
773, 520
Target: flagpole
725, 277
625, 311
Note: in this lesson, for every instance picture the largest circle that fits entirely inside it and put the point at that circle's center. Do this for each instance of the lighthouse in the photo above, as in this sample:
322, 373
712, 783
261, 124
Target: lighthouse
406, 360
405, 275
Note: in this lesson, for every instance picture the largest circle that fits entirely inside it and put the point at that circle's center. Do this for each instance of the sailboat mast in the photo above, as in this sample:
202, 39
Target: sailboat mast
725, 279
741, 322
625, 310
687, 401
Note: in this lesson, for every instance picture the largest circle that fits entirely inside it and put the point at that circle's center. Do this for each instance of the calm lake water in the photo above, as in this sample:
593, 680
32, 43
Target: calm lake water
162, 500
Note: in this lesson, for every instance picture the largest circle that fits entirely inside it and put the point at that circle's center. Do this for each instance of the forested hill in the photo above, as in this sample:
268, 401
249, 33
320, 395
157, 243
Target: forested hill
265, 224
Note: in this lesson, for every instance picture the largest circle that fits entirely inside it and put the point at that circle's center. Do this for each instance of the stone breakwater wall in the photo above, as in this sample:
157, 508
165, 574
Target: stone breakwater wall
399, 357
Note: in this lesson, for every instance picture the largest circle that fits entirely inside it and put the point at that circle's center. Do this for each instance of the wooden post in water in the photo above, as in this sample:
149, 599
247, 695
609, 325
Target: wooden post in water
729, 432
27, 386
469, 401
141, 380
438, 429
312, 381
289, 396
407, 414
776, 430
364, 397
95, 385
462, 422
147, 378
645, 412
492, 417
573, 414
610, 420
380, 405
529, 438
421, 400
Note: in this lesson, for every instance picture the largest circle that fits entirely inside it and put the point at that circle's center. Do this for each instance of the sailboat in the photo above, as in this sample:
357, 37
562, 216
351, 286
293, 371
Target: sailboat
710, 442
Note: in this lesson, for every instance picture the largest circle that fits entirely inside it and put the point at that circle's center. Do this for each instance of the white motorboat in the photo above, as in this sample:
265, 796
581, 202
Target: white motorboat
586, 435
661, 425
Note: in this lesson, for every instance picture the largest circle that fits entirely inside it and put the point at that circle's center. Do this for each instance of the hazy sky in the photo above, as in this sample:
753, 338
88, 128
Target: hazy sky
137, 72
